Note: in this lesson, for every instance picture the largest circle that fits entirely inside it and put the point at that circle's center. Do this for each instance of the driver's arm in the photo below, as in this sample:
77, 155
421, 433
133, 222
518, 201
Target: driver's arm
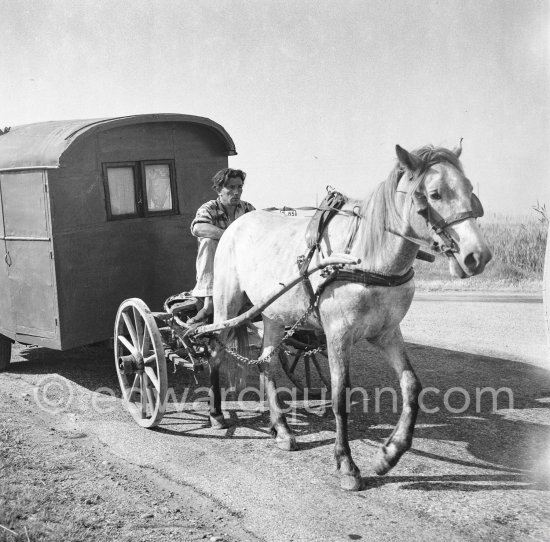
203, 229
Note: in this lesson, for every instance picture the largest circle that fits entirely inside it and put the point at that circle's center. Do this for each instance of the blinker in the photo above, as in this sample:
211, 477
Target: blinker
477, 208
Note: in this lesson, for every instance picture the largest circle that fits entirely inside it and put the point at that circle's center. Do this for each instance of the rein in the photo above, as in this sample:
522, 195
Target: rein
330, 208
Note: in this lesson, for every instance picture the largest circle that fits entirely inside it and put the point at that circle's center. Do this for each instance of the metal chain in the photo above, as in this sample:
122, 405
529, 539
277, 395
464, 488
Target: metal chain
314, 351
268, 358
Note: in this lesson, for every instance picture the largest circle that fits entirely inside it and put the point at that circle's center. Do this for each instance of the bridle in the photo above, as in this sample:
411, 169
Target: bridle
438, 225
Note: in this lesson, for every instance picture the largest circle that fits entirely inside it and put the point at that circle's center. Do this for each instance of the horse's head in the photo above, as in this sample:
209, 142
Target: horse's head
442, 199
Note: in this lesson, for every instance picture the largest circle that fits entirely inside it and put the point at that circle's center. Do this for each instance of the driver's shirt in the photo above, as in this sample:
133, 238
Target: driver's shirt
212, 212
215, 213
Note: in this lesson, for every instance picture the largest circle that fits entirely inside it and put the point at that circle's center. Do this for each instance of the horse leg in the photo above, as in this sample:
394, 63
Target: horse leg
400, 440
338, 355
217, 420
273, 333
226, 307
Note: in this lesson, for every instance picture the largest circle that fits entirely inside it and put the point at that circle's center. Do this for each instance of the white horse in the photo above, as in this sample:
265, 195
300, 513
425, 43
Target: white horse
425, 199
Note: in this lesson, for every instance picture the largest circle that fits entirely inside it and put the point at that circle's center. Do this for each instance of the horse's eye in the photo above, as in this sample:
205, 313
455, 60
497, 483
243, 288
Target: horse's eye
435, 195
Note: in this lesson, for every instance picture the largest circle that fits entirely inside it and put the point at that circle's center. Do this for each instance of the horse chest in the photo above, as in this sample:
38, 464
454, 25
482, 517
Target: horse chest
364, 312
384, 312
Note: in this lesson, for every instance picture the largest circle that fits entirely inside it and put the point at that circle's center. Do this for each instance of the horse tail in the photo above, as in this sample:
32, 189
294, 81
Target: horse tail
237, 370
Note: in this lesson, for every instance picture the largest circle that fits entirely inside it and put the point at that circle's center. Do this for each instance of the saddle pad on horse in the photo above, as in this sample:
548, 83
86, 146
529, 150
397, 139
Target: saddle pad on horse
330, 205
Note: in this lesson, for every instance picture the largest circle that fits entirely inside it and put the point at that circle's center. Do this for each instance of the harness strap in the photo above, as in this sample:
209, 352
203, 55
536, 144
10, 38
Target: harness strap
363, 277
439, 225
321, 207
303, 263
353, 233
416, 241
330, 205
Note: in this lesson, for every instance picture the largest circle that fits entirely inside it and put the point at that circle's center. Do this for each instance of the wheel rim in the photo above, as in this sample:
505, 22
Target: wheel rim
140, 362
309, 373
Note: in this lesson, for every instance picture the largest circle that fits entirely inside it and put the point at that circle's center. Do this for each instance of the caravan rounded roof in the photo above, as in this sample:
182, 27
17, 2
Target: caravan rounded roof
42, 144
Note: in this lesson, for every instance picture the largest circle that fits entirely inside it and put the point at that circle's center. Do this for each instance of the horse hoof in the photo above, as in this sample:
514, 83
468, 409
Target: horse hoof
287, 444
218, 422
351, 483
382, 467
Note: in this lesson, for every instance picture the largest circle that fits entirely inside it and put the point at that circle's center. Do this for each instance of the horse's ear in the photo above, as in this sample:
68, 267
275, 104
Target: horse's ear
458, 150
407, 160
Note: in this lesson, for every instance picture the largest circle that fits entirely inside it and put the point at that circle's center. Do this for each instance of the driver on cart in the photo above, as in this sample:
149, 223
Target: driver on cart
212, 219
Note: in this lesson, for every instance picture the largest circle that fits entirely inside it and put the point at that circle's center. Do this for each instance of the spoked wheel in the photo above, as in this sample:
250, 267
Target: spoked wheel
309, 373
140, 362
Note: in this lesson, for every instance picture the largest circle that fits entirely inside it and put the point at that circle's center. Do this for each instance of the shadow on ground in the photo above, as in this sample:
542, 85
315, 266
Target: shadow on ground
507, 433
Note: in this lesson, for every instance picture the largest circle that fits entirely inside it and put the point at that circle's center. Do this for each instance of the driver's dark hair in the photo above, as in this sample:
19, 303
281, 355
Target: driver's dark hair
222, 177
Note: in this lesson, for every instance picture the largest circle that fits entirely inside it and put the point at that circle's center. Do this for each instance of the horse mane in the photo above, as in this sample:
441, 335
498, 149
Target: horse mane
379, 211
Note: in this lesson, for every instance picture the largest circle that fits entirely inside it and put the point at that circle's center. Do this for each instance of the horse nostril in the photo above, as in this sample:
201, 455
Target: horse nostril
472, 261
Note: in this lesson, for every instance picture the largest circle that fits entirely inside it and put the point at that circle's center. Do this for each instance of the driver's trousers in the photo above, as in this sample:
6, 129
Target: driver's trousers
205, 267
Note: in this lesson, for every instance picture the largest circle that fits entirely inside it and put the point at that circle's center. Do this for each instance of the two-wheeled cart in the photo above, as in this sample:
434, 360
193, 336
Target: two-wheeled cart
144, 341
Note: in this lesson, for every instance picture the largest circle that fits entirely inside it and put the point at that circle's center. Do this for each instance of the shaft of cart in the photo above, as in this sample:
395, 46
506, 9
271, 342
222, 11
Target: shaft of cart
250, 314
335, 259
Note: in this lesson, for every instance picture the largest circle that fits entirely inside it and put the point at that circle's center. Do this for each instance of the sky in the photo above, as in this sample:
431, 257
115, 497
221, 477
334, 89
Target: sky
313, 93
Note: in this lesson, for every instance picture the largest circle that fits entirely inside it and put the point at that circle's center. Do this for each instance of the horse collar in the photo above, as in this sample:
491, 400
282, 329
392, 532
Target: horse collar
368, 278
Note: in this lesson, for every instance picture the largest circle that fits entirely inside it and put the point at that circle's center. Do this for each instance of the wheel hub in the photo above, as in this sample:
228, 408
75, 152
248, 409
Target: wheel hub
130, 364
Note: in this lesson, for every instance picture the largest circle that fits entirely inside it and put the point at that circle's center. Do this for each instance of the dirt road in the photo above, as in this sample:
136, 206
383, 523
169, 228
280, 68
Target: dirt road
475, 471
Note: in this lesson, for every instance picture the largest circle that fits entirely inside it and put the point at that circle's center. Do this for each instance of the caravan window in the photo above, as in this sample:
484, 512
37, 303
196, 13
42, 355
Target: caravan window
140, 189
158, 187
121, 190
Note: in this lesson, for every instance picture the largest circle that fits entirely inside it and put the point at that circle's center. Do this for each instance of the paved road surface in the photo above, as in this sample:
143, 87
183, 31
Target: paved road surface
475, 472
491, 324
488, 297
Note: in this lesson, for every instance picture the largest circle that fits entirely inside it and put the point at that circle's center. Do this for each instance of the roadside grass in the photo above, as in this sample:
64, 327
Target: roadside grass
34, 501
518, 246
54, 488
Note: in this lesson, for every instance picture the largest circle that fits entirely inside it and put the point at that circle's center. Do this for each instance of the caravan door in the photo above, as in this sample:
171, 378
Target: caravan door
29, 256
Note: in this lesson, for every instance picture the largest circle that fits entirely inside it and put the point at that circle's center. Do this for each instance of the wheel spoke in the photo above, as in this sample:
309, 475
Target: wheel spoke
319, 370
146, 345
297, 357
124, 386
130, 327
139, 329
129, 346
149, 362
143, 381
151, 398
135, 387
307, 372
153, 377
